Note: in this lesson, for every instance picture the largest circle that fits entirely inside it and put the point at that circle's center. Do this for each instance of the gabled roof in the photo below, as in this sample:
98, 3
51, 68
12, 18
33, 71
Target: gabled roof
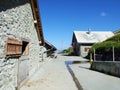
92, 36
37, 20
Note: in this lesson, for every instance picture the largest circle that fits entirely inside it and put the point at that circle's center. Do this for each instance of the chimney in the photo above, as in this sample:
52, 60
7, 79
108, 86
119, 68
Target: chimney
89, 31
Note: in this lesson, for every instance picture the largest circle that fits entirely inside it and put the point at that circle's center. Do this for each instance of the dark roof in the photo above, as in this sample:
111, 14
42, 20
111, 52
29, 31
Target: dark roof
49, 46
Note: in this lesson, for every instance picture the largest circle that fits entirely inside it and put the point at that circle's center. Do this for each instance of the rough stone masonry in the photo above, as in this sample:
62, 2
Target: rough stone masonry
16, 21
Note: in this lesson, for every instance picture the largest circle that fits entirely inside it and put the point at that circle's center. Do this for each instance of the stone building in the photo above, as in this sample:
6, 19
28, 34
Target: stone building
83, 40
21, 42
50, 49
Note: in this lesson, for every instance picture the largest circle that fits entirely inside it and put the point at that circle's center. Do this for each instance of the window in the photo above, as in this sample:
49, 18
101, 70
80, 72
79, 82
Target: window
86, 49
16, 48
25, 48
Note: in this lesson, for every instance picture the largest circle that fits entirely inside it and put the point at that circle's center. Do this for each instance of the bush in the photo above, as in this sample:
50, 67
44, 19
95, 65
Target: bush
67, 51
115, 38
105, 46
104, 49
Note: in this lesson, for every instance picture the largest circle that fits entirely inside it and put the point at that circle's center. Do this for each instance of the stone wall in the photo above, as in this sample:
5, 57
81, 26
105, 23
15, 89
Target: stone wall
16, 20
108, 67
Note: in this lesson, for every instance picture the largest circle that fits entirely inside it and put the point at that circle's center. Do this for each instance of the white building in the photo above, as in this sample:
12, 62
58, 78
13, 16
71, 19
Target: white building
83, 40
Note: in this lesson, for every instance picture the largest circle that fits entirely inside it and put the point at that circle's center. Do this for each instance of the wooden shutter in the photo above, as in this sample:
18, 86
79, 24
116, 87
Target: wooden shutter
13, 47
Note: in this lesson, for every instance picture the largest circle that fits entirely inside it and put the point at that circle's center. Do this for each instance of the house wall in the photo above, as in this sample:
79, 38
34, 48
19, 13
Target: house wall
84, 49
16, 21
81, 49
76, 46
77, 49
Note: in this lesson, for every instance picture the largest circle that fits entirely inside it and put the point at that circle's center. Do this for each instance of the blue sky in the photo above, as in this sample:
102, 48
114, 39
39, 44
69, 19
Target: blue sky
61, 17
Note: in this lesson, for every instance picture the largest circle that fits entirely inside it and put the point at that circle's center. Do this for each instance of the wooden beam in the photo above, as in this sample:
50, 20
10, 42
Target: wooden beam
38, 25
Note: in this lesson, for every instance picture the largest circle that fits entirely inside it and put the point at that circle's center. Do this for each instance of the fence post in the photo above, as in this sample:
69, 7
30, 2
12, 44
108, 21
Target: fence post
94, 54
113, 53
91, 58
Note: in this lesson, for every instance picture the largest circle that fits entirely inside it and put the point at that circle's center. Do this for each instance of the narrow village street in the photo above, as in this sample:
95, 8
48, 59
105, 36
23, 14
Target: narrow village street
54, 75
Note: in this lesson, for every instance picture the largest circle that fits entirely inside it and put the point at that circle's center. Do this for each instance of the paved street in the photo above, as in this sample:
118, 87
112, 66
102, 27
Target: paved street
92, 80
54, 75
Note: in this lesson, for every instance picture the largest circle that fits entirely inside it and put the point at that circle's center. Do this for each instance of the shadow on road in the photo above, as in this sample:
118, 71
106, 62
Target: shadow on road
67, 63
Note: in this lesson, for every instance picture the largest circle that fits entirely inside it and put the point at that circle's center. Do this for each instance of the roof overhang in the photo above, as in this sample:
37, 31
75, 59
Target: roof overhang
37, 21
49, 46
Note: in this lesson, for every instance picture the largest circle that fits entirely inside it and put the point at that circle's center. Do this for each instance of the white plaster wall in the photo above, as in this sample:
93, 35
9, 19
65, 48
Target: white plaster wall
84, 53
